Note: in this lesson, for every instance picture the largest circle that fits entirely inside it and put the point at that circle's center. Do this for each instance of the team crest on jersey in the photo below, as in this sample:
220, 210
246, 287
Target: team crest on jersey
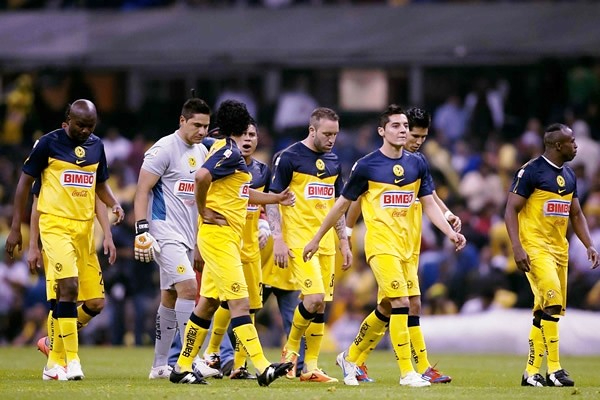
79, 152
82, 179
321, 191
557, 208
409, 284
397, 199
398, 170
245, 191
180, 269
550, 294
184, 187
235, 287
192, 162
58, 267
308, 283
560, 181
395, 285
320, 164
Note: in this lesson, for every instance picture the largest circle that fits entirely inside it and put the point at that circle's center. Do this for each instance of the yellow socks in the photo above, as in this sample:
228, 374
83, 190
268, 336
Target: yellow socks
300, 323
417, 341
84, 315
370, 333
220, 323
550, 334
245, 333
196, 330
66, 314
537, 349
314, 338
401, 339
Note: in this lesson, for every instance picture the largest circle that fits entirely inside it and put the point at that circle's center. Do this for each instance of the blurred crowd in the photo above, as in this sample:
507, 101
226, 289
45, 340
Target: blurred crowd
129, 5
477, 141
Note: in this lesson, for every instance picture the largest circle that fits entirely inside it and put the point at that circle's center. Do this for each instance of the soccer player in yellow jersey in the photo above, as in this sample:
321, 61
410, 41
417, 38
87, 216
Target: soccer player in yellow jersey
72, 167
250, 256
313, 173
388, 181
541, 203
374, 326
222, 194
91, 286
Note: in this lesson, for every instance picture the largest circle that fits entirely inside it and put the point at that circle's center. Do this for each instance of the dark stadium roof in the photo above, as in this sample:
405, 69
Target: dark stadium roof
429, 34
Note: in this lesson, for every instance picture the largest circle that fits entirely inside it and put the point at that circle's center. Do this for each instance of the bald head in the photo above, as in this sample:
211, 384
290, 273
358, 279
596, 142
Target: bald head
81, 120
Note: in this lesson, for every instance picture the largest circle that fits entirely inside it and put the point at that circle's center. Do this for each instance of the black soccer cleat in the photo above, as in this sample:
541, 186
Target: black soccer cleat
272, 372
187, 377
241, 373
536, 380
559, 378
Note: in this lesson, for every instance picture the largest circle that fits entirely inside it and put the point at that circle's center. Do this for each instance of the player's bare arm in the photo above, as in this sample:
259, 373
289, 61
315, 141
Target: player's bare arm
333, 216
285, 198
104, 192
281, 251
340, 230
107, 243
454, 221
14, 239
34, 256
581, 229
433, 211
514, 204
202, 179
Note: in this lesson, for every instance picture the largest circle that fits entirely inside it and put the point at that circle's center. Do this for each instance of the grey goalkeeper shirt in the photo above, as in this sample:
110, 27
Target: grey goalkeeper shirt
172, 211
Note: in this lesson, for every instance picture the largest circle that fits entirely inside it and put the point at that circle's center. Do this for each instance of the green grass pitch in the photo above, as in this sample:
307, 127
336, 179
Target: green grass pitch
122, 373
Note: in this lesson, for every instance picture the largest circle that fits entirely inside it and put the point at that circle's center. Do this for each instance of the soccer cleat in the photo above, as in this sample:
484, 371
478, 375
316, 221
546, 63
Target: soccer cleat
536, 380
559, 378
202, 368
74, 371
348, 369
56, 373
161, 372
434, 376
362, 374
288, 356
317, 375
187, 377
414, 379
272, 372
42, 346
241, 373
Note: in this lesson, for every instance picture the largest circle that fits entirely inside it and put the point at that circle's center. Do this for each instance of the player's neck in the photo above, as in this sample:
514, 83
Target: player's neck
391, 151
554, 160
309, 143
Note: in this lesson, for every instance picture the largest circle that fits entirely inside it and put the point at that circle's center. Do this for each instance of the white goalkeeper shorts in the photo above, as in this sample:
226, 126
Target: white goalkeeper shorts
175, 261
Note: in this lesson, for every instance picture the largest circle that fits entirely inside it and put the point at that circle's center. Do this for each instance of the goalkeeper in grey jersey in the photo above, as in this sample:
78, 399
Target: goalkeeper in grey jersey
167, 223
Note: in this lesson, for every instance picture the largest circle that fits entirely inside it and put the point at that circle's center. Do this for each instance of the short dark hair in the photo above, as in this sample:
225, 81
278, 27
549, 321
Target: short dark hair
194, 106
232, 118
418, 118
322, 113
554, 133
392, 109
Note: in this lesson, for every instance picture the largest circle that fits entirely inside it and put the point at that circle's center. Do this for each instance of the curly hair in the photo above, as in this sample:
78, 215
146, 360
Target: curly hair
232, 118
418, 118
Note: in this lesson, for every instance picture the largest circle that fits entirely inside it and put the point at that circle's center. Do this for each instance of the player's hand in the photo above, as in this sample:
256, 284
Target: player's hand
281, 253
310, 250
454, 222
346, 254
14, 240
198, 260
264, 231
119, 213
459, 241
110, 250
145, 245
592, 254
287, 198
34, 258
522, 259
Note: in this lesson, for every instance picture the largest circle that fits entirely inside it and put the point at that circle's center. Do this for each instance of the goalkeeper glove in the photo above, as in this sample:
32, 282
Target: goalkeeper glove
145, 245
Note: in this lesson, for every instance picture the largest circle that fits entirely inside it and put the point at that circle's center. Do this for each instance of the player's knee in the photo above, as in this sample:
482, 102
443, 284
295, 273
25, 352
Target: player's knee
95, 305
68, 289
314, 302
553, 311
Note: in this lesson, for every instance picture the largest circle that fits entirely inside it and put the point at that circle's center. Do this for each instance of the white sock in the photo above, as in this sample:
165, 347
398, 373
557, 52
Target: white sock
183, 310
166, 328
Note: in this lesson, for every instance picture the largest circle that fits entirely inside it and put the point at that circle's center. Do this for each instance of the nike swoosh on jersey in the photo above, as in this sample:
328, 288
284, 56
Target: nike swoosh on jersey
398, 180
79, 162
320, 174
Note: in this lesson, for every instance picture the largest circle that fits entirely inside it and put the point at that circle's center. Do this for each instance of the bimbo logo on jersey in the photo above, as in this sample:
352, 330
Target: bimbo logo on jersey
322, 191
557, 208
245, 191
184, 187
397, 199
81, 179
